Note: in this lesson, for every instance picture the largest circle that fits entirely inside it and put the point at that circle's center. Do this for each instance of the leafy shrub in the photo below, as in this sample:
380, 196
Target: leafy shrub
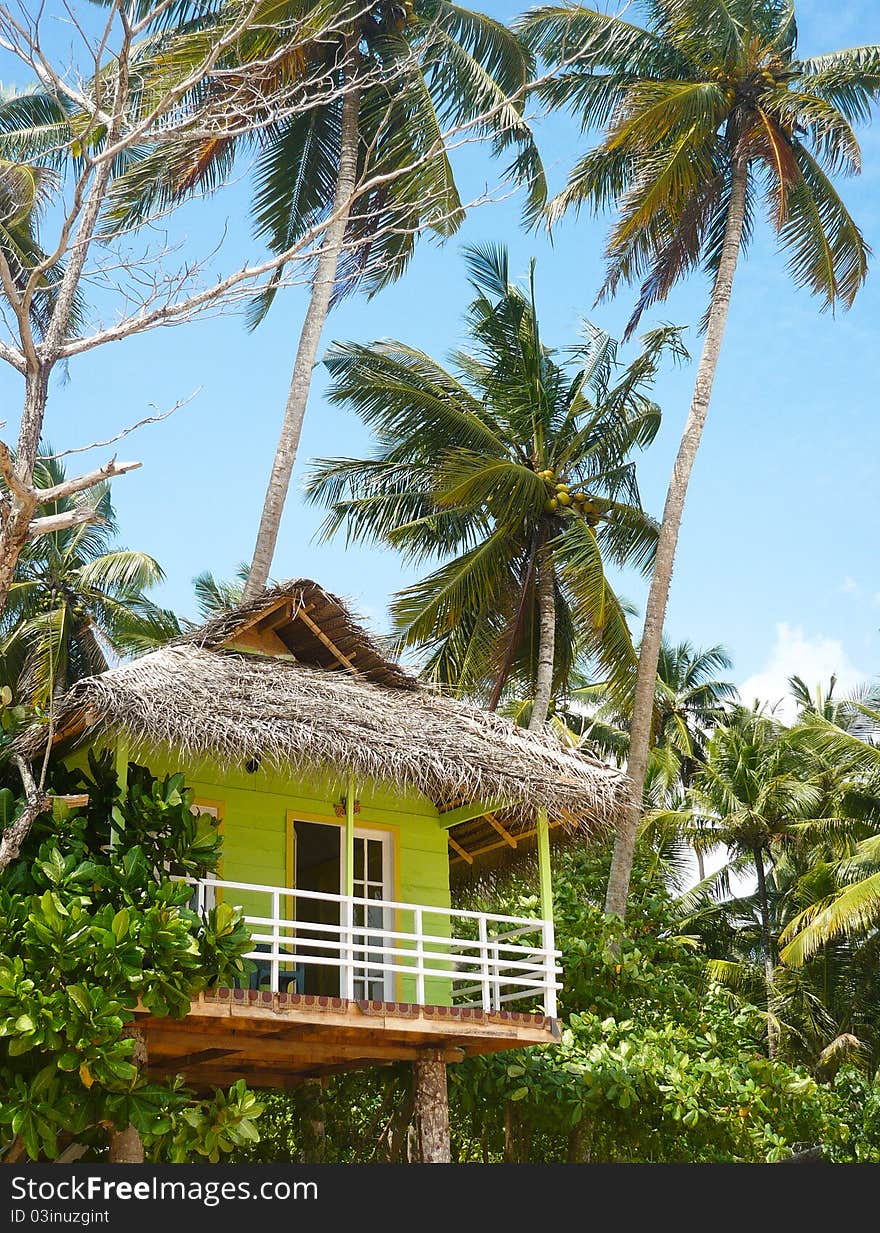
91, 926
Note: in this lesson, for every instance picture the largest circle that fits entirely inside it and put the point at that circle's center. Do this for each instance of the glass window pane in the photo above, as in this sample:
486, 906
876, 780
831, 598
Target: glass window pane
374, 866
358, 859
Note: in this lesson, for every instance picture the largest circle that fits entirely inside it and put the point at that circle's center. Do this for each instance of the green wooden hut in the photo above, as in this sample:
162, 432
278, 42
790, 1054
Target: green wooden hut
351, 797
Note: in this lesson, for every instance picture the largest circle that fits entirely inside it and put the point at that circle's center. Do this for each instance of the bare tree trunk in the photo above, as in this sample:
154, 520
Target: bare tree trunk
15, 1152
769, 958
18, 505
546, 639
432, 1108
655, 611
313, 1134
580, 1142
36, 802
313, 327
126, 1146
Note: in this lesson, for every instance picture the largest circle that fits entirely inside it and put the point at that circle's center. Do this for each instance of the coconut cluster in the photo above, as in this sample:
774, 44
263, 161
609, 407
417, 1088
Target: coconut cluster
561, 497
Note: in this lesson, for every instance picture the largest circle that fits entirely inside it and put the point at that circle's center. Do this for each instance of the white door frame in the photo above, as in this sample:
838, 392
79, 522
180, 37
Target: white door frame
387, 841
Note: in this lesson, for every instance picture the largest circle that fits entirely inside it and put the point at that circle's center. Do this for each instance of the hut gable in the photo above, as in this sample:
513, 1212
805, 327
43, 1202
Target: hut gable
300, 619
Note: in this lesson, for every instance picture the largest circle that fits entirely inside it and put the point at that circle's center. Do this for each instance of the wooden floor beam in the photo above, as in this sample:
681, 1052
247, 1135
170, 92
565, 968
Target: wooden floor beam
277, 1040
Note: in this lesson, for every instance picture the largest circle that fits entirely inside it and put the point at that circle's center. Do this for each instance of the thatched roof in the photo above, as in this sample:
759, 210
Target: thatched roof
300, 618
210, 695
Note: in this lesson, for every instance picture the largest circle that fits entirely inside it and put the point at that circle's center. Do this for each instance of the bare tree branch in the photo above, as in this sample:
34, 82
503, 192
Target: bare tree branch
82, 482
36, 802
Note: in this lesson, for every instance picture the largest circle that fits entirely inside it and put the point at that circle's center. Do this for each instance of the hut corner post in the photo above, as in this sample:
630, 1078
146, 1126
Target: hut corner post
120, 763
546, 885
432, 1108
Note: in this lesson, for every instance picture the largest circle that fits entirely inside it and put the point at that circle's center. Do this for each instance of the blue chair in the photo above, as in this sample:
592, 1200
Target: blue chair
295, 976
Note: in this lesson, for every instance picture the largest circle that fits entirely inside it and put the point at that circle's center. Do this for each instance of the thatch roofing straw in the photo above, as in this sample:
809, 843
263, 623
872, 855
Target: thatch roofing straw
237, 708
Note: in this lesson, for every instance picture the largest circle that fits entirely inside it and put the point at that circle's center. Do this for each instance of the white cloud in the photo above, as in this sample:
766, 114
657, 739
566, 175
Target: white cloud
849, 586
813, 658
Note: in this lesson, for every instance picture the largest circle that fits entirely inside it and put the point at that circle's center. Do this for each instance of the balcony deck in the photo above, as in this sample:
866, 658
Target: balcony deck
480, 963
276, 1040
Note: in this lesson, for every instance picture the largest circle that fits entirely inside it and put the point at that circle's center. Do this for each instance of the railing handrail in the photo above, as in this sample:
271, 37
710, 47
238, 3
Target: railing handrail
534, 921
497, 967
298, 927
535, 961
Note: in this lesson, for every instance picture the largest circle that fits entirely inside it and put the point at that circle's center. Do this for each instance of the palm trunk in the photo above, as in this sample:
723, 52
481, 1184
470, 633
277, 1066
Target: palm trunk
514, 632
313, 327
655, 611
769, 949
546, 639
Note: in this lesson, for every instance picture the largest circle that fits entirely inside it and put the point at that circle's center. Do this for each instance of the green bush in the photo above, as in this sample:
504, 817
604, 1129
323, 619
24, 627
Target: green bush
91, 926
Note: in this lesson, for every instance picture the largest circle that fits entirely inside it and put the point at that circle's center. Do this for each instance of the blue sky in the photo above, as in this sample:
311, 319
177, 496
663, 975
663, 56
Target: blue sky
777, 558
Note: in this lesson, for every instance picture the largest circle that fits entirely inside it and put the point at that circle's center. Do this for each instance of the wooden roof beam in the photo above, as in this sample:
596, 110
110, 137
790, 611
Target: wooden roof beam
257, 617
344, 660
467, 813
496, 825
493, 847
456, 847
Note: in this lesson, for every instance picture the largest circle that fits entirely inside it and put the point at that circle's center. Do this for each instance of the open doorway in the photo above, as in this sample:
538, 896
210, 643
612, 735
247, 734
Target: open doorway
318, 867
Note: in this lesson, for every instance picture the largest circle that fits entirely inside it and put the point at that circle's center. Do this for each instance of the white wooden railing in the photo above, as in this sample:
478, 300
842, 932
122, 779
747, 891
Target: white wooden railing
389, 951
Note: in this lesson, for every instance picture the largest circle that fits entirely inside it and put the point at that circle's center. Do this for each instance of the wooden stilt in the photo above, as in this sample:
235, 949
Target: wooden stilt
314, 1141
432, 1108
126, 1146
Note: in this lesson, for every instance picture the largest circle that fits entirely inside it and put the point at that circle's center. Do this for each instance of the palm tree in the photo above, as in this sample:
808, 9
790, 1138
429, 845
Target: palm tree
847, 740
389, 78
33, 139
77, 600
515, 469
215, 596
753, 796
689, 703
704, 109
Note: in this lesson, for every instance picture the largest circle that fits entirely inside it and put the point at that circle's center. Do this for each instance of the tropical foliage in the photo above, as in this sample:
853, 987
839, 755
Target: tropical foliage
78, 601
704, 111
89, 928
515, 468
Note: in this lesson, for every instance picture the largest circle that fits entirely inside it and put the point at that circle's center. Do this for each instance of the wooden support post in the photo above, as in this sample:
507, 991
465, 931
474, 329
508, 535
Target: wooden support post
314, 1142
350, 800
126, 1146
545, 879
347, 972
432, 1108
546, 884
120, 761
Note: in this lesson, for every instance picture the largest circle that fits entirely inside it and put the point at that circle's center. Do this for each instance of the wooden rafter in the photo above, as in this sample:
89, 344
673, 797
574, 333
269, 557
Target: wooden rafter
341, 657
493, 847
456, 847
279, 616
496, 825
257, 617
